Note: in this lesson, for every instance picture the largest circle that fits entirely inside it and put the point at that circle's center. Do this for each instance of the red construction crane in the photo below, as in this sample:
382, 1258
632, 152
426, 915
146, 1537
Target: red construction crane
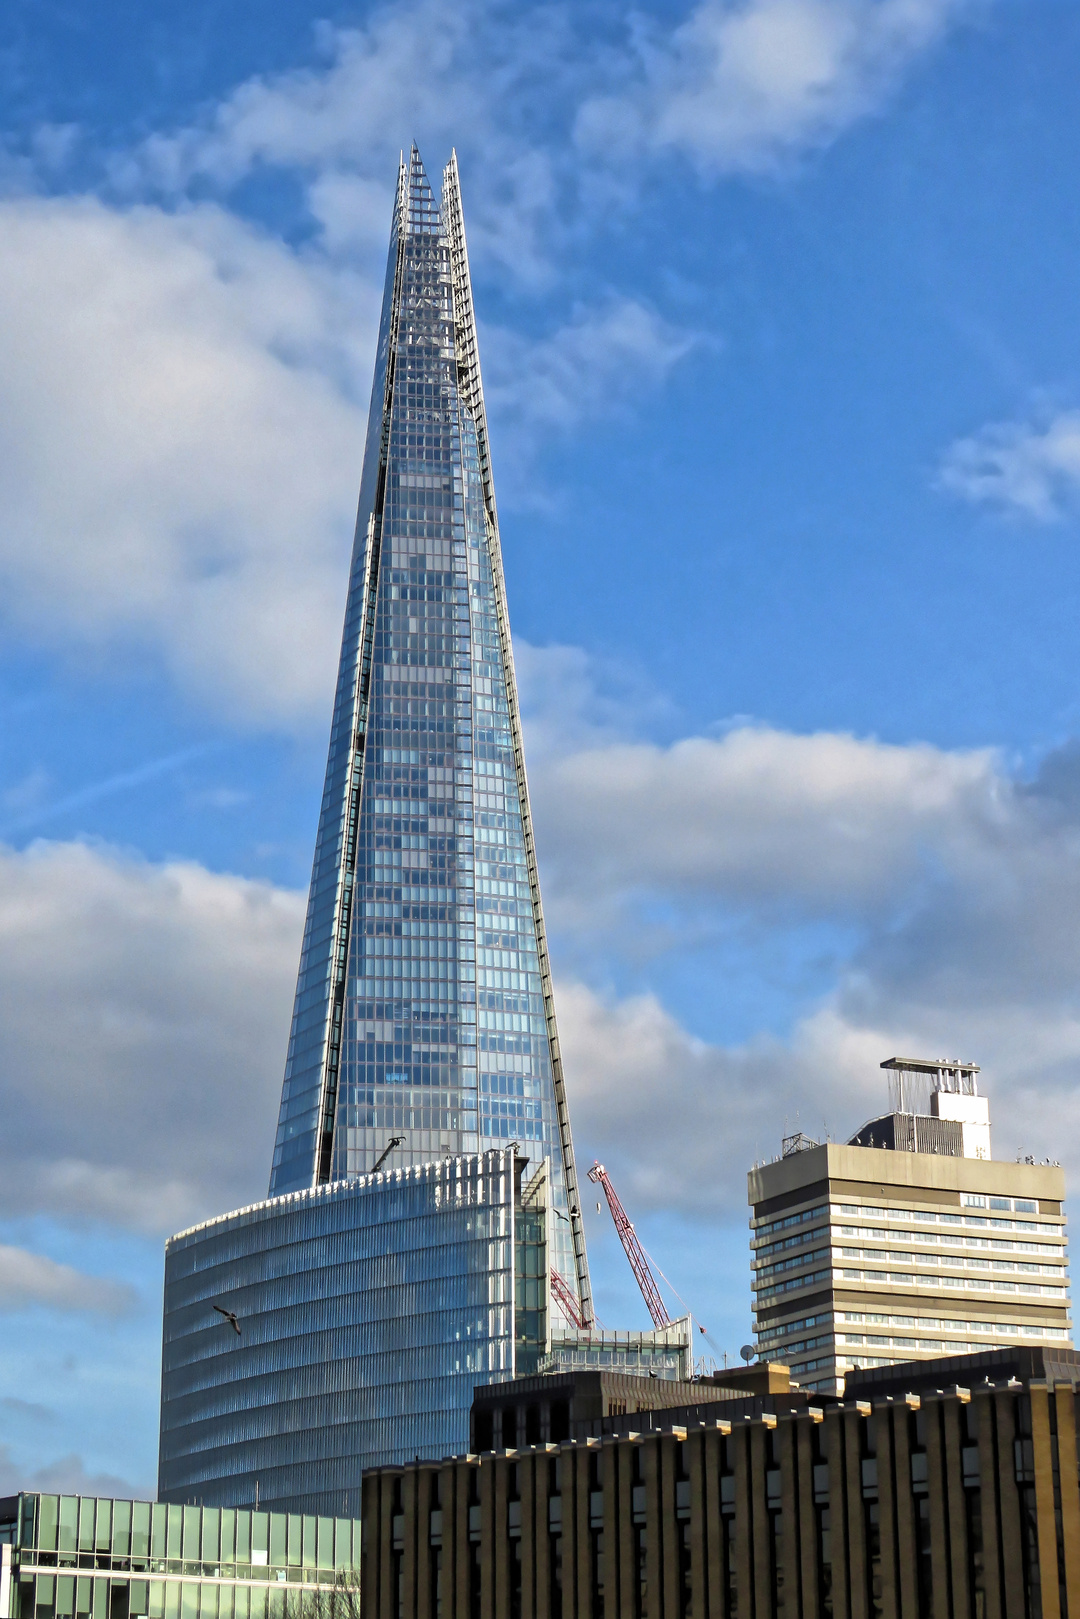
568, 1301
635, 1253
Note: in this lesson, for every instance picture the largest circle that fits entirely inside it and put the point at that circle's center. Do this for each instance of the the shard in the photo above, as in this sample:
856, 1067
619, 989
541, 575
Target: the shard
424, 1013
422, 1232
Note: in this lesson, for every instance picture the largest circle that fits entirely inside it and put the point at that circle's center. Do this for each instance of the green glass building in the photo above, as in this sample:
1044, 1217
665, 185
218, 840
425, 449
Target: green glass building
87, 1557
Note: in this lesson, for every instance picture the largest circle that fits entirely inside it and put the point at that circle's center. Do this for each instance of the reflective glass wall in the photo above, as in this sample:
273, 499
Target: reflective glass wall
423, 1019
89, 1557
367, 1311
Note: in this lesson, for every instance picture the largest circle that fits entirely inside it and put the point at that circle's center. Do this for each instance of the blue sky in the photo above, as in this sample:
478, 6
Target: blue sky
778, 330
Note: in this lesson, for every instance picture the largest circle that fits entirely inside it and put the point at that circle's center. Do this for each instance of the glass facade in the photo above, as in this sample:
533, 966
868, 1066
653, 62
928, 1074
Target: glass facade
423, 1014
88, 1557
367, 1311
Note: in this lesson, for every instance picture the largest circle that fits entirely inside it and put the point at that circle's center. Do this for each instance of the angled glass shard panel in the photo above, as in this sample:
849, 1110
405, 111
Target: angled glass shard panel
424, 1021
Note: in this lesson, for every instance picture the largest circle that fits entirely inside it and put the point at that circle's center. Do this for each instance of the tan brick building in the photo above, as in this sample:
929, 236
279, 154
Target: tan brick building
873, 1255
955, 1500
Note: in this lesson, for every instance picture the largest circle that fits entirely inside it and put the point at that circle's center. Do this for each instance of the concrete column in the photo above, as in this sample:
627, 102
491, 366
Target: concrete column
716, 1607
1012, 1557
613, 1523
699, 1537
882, 1428
624, 1491
670, 1527
1044, 1500
853, 1420
989, 1490
809, 1572
369, 1543
410, 1555
959, 1561
531, 1466
836, 1444
907, 1545
789, 1507
498, 1558
939, 1504
654, 1551
1065, 1406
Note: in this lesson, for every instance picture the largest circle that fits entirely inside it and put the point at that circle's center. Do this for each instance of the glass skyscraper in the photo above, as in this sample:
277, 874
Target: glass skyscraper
424, 1014
422, 1231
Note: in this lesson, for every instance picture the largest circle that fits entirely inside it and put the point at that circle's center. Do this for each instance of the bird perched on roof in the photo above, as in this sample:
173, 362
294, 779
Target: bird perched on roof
230, 1316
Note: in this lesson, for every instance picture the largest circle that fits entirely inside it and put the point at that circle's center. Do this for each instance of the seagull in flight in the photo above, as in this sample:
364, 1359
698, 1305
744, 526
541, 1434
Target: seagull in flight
230, 1316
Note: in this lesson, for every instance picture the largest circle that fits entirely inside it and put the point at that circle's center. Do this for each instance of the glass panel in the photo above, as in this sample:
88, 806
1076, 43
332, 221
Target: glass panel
69, 1513
189, 1601
65, 1590
87, 1522
278, 1540
157, 1599
172, 1599
176, 1525
243, 1537
260, 1534
310, 1541
99, 1600
48, 1516
140, 1529
159, 1525
228, 1535
325, 1555
211, 1534
103, 1526
121, 1528
192, 1549
82, 1584
208, 1602
140, 1599
295, 1526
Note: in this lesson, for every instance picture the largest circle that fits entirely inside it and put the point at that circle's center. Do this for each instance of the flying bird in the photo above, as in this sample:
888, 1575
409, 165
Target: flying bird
230, 1316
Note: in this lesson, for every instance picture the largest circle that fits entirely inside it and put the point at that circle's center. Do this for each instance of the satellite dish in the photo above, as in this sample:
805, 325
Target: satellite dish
747, 1352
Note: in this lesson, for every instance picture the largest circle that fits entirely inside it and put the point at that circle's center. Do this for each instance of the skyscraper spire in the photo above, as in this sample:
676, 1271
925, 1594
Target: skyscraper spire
424, 1008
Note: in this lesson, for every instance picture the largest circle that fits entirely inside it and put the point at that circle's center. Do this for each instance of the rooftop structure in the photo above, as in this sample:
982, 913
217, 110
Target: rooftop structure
909, 1241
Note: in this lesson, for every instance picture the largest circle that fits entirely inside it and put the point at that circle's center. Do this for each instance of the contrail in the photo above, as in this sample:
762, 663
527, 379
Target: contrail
103, 789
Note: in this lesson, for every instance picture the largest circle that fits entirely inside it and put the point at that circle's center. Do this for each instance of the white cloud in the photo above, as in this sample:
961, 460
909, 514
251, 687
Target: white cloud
68, 1475
1019, 467
181, 435
467, 75
32, 1279
179, 448
789, 825
143, 1020
599, 361
745, 84
595, 366
144, 1009
956, 888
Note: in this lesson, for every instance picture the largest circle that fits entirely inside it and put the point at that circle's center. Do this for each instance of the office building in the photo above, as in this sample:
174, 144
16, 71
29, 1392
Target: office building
88, 1557
423, 1229
910, 1241
932, 1496
424, 1024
